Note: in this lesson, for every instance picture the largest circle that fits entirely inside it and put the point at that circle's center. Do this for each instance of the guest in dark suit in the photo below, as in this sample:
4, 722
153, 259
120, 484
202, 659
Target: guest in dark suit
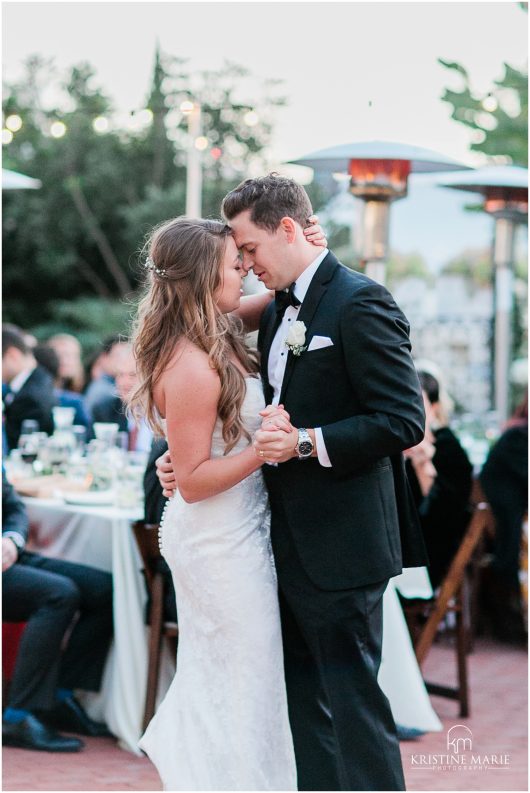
443, 500
28, 388
47, 594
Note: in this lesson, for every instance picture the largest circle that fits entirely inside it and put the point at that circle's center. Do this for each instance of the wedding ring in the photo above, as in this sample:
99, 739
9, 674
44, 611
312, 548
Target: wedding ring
261, 453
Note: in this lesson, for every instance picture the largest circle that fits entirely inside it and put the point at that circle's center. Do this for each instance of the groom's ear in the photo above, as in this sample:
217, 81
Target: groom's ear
288, 227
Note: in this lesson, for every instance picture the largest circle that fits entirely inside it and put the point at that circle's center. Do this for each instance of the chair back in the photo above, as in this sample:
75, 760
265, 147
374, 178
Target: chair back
481, 522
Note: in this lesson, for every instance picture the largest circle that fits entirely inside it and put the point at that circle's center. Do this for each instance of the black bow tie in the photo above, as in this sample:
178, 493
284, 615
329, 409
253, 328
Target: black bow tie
286, 298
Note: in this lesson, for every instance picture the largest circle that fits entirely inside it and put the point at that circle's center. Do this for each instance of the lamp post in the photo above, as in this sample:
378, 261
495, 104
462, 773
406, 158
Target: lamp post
379, 174
505, 193
197, 144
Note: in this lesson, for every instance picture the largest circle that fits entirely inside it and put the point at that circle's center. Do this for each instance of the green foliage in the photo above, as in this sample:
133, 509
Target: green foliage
71, 248
498, 118
407, 265
88, 318
472, 263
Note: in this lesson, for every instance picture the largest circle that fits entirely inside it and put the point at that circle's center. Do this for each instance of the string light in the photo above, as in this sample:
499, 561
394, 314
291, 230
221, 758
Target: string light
58, 129
100, 124
13, 122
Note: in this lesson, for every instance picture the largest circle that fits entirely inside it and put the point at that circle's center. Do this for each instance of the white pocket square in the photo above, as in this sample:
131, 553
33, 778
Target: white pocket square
319, 342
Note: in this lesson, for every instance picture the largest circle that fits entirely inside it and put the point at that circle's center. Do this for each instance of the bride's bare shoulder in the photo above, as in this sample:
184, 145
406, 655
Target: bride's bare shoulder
189, 368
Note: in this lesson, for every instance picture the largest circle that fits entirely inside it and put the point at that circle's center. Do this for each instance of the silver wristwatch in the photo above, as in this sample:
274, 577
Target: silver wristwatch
304, 447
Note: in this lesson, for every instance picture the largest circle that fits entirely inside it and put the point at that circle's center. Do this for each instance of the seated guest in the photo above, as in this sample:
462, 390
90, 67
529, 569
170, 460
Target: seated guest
71, 373
114, 408
504, 478
48, 594
27, 388
49, 360
440, 475
103, 385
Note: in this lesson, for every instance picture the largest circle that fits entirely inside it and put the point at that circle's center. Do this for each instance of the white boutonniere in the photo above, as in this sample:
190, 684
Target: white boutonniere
295, 339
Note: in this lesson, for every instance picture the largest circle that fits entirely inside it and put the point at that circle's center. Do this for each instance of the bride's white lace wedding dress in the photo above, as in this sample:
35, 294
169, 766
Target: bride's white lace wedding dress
223, 723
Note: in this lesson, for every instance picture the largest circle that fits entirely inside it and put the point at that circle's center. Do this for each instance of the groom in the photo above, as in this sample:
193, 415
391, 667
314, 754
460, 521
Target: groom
342, 521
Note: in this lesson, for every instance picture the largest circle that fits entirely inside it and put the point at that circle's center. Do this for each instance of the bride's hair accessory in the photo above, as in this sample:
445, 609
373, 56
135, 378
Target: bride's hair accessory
150, 265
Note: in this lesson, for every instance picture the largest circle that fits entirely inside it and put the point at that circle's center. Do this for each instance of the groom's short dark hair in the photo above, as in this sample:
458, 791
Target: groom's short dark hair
270, 198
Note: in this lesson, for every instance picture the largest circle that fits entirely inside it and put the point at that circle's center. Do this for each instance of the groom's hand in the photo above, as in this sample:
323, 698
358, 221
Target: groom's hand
275, 446
166, 475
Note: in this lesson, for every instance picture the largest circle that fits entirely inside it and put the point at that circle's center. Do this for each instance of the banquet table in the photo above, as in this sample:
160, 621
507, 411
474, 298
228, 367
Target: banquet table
102, 537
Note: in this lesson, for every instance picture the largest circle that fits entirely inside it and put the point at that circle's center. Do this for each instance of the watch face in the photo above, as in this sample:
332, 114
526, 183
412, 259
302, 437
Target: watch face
305, 448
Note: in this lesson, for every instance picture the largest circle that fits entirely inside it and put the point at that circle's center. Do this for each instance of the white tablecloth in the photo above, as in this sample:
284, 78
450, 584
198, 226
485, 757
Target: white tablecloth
102, 537
399, 674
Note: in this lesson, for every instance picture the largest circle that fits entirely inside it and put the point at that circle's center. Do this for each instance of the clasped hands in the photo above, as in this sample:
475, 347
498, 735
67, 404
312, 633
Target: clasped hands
274, 442
276, 439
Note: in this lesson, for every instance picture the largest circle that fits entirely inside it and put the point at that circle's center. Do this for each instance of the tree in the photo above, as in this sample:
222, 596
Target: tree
499, 117
106, 183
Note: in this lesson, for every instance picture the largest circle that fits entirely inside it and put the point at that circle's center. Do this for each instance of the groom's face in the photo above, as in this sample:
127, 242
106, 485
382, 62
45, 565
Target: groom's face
265, 252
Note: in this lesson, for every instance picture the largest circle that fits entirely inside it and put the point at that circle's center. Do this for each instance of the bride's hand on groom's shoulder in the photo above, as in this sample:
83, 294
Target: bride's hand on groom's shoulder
166, 475
314, 234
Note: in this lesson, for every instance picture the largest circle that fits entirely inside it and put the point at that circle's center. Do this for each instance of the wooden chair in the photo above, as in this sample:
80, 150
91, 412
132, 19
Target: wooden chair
424, 616
146, 535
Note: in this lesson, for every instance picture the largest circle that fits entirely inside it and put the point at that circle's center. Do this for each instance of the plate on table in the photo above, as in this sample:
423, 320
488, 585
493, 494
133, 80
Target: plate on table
90, 498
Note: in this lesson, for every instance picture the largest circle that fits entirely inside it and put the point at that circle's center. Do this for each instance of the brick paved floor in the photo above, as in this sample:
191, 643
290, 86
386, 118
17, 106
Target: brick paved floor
498, 723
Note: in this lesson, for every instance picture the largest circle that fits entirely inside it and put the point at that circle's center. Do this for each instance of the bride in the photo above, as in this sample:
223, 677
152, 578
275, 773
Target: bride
223, 724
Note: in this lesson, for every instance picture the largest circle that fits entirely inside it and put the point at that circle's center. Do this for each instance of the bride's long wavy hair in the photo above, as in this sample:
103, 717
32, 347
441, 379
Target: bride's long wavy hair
184, 271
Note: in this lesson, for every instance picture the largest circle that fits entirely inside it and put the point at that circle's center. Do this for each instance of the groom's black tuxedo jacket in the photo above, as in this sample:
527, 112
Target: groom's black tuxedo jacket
354, 523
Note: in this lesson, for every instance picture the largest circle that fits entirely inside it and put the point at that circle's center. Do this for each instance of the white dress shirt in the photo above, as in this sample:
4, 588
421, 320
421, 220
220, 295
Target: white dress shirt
278, 352
18, 381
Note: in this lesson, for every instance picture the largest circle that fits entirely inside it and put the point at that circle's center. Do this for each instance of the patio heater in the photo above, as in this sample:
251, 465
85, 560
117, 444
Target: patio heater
505, 195
379, 173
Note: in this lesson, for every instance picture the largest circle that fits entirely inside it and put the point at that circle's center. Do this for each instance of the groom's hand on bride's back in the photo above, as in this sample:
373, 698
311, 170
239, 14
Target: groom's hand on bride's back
166, 475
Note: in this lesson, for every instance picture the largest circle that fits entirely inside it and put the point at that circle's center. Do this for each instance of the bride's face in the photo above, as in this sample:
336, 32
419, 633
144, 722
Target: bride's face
228, 295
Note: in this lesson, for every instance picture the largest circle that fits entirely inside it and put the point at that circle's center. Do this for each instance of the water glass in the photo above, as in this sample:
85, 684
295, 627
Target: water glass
63, 417
29, 426
129, 487
106, 431
80, 435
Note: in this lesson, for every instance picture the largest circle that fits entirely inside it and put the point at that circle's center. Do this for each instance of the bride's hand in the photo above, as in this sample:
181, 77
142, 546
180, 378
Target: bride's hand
314, 234
166, 475
275, 417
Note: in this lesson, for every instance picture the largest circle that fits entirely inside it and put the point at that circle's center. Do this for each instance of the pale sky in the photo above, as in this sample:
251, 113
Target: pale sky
334, 59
